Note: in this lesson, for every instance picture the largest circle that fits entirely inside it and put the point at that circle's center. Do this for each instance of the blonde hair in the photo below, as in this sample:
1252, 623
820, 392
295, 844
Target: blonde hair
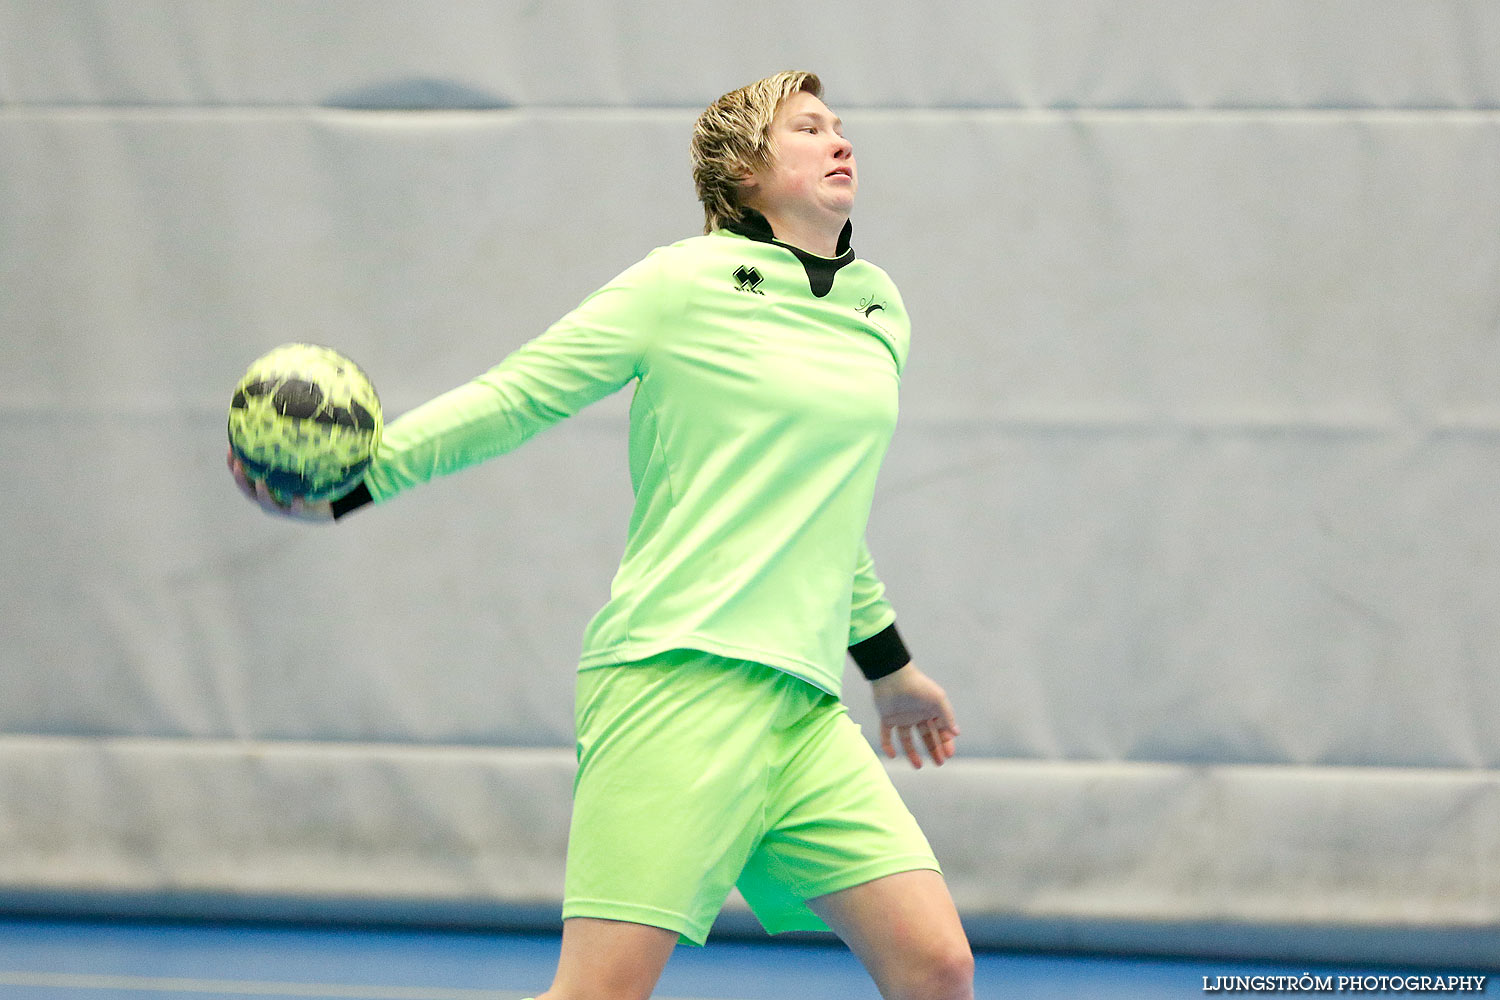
732, 139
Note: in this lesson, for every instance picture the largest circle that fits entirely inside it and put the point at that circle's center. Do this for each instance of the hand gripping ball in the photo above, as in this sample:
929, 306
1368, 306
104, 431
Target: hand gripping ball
306, 420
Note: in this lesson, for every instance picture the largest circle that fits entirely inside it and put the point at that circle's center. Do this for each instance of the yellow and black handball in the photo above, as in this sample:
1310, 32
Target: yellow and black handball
306, 420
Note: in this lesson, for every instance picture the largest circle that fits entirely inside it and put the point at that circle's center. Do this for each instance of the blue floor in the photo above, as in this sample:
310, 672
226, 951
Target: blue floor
96, 960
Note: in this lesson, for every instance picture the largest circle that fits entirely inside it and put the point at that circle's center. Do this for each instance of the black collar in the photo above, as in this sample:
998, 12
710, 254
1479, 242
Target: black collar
820, 270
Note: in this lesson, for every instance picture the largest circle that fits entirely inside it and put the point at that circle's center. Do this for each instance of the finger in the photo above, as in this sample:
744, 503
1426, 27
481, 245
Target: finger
242, 482
308, 510
934, 743
885, 742
948, 720
267, 497
945, 744
910, 746
237, 470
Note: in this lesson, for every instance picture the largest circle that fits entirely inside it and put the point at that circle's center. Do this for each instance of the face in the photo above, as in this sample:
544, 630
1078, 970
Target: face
812, 174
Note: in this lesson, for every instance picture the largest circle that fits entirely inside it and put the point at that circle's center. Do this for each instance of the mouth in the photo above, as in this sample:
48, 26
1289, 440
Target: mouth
840, 172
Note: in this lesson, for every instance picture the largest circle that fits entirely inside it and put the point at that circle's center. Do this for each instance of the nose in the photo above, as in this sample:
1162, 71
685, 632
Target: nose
842, 147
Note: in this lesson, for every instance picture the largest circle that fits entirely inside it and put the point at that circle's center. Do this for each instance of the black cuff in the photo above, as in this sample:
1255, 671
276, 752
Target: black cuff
354, 499
883, 653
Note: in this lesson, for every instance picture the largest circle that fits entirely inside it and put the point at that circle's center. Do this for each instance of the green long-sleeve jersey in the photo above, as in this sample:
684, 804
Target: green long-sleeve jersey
765, 397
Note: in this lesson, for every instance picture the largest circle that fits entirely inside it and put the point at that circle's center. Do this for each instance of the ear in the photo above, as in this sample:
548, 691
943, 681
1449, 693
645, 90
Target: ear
747, 191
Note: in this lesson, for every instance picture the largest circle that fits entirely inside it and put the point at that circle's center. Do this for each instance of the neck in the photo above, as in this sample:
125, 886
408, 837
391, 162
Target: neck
821, 269
820, 236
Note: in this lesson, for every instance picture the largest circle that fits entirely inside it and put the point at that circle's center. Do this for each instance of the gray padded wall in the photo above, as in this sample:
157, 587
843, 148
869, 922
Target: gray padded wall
1192, 507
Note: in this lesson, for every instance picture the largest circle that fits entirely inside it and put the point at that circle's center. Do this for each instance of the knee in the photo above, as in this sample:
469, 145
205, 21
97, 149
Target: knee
943, 972
954, 973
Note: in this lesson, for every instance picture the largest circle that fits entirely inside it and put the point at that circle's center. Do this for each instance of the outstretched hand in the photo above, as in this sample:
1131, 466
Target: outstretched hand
258, 492
913, 707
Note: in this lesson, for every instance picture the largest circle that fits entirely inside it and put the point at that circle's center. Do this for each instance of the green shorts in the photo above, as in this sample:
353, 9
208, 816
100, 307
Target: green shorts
697, 773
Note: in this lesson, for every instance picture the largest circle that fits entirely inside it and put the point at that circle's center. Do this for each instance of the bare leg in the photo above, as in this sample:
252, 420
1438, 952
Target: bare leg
906, 931
609, 960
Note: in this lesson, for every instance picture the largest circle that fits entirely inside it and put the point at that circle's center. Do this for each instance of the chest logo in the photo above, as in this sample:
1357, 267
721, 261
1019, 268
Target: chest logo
748, 279
868, 307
